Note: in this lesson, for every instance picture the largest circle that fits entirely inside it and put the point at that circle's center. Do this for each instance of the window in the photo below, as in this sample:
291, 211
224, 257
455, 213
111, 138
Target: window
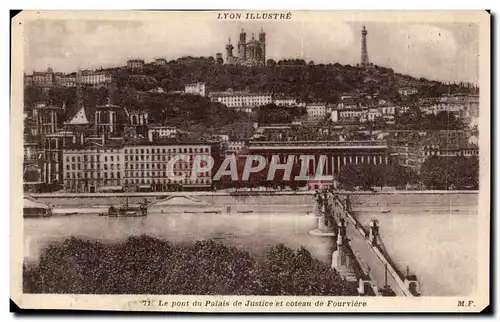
67, 167
111, 157
72, 159
105, 159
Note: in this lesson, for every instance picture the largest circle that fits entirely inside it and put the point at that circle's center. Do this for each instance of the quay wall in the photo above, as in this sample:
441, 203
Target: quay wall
285, 198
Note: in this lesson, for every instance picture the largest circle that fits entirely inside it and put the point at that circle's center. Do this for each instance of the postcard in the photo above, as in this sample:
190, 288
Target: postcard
251, 161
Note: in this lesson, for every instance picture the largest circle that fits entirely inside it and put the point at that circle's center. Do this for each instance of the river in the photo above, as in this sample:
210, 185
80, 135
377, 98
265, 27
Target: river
435, 235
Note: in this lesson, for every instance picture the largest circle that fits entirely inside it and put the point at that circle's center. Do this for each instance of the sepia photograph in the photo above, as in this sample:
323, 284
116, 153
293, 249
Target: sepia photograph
251, 161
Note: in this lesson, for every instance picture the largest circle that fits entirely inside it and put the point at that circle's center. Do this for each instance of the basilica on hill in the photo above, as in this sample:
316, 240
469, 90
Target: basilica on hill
251, 53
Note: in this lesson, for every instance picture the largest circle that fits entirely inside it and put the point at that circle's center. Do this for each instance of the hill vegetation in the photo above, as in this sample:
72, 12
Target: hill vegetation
307, 82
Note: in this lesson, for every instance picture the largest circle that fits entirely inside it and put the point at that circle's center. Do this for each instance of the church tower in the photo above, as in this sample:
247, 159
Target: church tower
262, 41
242, 49
364, 50
229, 52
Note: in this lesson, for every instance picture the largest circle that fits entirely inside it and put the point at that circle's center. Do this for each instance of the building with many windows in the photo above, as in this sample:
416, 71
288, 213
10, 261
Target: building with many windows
353, 115
134, 166
407, 91
146, 165
160, 61
93, 167
241, 100
95, 78
135, 63
161, 131
282, 100
412, 152
46, 78
316, 110
69, 80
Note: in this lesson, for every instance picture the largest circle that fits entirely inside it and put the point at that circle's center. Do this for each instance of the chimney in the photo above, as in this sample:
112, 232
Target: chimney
82, 141
103, 138
150, 135
74, 139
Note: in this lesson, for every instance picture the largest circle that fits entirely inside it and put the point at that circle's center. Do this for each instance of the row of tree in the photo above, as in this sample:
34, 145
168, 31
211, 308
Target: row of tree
146, 265
439, 173
368, 176
450, 173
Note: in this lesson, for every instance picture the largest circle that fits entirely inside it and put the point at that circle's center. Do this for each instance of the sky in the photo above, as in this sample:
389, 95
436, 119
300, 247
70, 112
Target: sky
441, 51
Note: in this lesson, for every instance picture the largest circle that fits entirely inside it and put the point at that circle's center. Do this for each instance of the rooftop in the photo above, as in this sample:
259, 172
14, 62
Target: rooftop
237, 93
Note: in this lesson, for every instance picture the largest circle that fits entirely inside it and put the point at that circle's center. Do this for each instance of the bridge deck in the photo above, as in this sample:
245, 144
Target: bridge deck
367, 257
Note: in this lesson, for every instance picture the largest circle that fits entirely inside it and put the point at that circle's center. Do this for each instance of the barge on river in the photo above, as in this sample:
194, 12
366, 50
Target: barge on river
128, 211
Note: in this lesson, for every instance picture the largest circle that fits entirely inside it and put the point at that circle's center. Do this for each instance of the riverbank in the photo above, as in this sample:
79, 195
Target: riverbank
239, 193
283, 200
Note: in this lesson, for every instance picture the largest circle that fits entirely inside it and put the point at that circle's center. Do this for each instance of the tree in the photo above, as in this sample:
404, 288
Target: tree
146, 265
350, 176
273, 275
433, 173
444, 172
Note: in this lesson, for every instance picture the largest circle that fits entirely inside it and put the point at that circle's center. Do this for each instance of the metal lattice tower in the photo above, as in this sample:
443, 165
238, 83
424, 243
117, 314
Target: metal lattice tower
364, 50
79, 90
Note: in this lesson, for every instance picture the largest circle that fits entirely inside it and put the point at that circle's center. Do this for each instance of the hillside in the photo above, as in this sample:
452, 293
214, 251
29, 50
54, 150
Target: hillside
306, 82
309, 82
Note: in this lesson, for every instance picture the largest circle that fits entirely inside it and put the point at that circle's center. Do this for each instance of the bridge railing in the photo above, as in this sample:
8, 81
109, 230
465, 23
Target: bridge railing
389, 264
